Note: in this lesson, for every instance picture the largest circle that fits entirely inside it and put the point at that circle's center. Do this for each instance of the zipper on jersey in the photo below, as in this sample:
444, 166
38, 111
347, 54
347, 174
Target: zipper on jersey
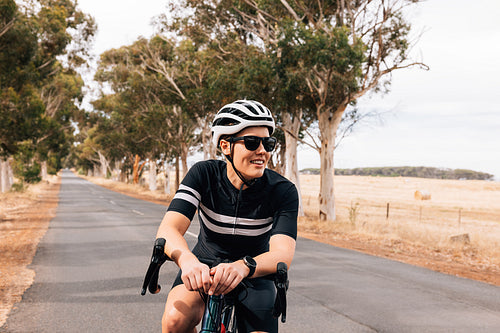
238, 199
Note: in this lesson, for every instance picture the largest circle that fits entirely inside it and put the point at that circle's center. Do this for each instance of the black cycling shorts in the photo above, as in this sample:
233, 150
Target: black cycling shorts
254, 308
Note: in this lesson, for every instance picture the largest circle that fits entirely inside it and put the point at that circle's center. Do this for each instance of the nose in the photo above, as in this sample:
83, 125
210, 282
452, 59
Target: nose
260, 149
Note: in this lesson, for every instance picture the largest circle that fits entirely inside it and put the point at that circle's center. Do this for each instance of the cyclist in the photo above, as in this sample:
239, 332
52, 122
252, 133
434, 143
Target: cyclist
247, 214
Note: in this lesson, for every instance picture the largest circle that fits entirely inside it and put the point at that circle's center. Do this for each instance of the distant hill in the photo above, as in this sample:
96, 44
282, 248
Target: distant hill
407, 171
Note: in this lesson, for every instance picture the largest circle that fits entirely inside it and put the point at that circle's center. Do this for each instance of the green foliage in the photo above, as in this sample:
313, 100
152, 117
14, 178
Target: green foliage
323, 57
18, 187
31, 173
24, 165
38, 82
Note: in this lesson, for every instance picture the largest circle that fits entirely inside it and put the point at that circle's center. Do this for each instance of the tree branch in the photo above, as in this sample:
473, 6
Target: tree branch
7, 27
290, 10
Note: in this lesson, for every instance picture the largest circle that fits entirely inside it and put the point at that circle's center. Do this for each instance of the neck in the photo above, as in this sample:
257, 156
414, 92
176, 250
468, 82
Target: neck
233, 177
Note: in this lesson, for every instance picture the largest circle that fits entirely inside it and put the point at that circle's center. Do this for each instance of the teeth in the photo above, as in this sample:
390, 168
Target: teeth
257, 162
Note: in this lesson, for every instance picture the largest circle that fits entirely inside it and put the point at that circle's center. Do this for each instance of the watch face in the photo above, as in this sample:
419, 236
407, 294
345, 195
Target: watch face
249, 261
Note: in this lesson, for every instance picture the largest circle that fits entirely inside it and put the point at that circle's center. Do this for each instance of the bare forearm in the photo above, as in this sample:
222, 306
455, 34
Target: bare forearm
281, 250
173, 232
267, 262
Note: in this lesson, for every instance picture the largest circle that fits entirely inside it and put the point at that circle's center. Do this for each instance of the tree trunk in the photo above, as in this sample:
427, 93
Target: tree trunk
2, 178
184, 146
177, 174
209, 148
291, 125
43, 172
104, 165
10, 173
116, 173
135, 171
166, 182
328, 123
184, 155
152, 175
5, 179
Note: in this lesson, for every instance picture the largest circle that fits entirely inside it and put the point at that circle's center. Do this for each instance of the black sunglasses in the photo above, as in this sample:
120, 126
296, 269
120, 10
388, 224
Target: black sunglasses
253, 142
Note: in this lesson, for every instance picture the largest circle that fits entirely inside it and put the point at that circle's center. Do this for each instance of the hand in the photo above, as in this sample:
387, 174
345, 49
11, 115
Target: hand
195, 275
226, 277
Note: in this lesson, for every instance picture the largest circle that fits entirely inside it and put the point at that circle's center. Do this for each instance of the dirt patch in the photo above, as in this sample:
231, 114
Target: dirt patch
24, 219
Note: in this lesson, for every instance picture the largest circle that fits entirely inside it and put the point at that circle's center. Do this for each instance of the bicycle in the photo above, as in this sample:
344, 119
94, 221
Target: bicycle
219, 315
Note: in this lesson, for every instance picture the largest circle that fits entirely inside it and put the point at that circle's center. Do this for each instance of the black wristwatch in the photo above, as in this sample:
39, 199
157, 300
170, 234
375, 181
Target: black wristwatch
251, 264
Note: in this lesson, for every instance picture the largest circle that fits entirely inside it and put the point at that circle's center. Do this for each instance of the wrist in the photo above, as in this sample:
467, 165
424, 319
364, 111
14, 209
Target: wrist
244, 267
184, 258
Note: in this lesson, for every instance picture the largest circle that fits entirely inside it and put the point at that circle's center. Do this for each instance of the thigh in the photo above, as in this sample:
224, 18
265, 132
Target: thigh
184, 306
255, 307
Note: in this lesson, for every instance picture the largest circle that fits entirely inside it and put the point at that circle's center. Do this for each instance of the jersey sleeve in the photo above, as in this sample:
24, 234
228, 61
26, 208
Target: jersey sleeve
285, 218
187, 198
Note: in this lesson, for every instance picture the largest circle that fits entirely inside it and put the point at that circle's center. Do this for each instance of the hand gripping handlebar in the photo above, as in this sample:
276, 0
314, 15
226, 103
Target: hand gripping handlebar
157, 259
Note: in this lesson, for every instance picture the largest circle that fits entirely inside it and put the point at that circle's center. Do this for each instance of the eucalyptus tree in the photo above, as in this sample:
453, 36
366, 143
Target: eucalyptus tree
165, 60
146, 101
41, 43
122, 131
251, 70
342, 50
211, 62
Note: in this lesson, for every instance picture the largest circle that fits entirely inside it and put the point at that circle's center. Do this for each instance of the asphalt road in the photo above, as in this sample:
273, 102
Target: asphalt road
90, 265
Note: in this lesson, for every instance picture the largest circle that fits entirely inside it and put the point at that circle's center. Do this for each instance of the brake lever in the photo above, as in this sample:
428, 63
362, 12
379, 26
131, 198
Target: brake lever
157, 259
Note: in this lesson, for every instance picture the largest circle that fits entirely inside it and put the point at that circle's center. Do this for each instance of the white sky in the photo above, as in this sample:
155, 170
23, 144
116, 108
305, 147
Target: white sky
446, 117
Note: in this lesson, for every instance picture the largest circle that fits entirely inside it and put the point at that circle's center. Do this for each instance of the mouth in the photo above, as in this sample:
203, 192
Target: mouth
257, 162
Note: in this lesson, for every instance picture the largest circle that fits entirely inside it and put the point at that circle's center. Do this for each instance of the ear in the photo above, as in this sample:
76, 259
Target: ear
225, 147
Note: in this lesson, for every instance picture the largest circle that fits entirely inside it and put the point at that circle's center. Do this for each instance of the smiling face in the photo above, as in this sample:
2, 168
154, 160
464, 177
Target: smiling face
251, 164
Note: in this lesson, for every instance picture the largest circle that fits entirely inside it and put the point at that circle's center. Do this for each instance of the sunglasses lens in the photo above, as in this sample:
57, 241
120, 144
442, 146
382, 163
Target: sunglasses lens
252, 142
269, 143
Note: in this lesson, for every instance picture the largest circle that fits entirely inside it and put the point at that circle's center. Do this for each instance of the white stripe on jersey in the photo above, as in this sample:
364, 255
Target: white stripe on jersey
232, 230
187, 197
193, 191
230, 219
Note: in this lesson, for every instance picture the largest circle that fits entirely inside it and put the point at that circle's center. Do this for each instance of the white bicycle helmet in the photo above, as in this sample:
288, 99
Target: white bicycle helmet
236, 116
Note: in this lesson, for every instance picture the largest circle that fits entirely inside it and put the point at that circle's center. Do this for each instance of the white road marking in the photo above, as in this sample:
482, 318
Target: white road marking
137, 212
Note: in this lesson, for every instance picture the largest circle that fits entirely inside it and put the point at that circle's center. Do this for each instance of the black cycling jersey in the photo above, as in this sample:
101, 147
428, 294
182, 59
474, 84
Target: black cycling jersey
233, 222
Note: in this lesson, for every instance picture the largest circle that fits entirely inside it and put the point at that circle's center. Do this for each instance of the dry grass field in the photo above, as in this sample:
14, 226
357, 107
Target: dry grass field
455, 207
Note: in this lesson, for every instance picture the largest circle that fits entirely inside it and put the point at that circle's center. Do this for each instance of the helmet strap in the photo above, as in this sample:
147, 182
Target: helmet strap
238, 173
